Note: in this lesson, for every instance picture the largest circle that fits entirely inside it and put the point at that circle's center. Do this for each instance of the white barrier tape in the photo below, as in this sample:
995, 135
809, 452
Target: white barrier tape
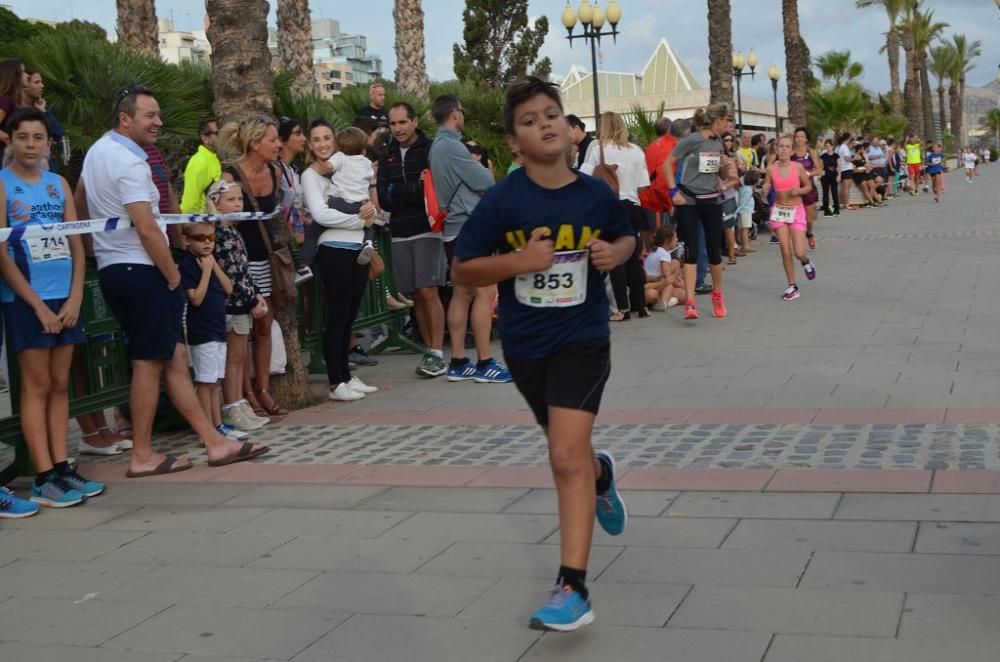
93, 225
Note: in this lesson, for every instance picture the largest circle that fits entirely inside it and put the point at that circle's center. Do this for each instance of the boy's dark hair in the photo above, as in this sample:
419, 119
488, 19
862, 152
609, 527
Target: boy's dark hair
444, 106
28, 114
576, 123
751, 177
522, 90
352, 141
204, 125
410, 112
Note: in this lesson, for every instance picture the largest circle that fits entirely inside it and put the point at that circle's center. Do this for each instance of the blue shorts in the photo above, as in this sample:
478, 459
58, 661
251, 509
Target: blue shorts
24, 331
151, 314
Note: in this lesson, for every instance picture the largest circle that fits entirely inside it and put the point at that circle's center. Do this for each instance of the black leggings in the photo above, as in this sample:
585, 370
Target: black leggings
830, 190
628, 280
710, 218
344, 282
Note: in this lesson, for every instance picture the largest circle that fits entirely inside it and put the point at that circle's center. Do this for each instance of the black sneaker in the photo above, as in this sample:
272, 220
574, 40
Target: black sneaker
359, 356
704, 288
774, 240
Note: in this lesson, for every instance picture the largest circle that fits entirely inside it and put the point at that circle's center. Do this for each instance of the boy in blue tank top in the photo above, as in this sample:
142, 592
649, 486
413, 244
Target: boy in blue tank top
41, 294
548, 236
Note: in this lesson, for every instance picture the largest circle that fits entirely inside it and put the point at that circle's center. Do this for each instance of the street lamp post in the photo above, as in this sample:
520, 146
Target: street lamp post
592, 19
775, 76
738, 63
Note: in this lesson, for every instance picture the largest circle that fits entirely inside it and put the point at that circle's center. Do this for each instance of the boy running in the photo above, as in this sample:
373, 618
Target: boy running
548, 235
914, 160
935, 169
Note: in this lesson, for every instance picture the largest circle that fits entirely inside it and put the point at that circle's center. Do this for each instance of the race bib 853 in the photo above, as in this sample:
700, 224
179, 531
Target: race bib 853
562, 285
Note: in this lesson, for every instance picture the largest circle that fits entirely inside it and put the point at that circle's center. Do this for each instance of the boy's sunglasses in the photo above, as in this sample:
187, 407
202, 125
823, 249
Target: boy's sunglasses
202, 237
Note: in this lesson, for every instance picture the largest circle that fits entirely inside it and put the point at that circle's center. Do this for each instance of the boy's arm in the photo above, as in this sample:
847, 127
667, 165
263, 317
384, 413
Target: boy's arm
537, 255
197, 295
605, 256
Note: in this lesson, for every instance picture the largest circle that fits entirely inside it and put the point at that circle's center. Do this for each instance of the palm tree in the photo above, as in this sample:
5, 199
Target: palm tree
941, 65
796, 63
295, 44
720, 52
911, 88
993, 123
411, 65
965, 52
137, 26
837, 66
838, 108
926, 30
893, 9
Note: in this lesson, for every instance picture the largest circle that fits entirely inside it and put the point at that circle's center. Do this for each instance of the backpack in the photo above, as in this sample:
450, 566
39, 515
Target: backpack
435, 214
656, 197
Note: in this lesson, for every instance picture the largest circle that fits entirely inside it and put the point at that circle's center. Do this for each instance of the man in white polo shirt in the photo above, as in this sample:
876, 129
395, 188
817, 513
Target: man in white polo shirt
141, 283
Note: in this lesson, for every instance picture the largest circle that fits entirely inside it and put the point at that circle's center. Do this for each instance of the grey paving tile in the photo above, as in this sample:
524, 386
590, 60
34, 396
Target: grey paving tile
814, 648
445, 499
69, 580
935, 507
598, 644
333, 523
188, 519
73, 519
197, 657
920, 573
478, 559
641, 503
480, 527
12, 650
336, 497
958, 538
514, 599
222, 549
971, 618
386, 593
239, 632
660, 532
57, 545
783, 610
206, 585
754, 505
313, 553
168, 494
706, 566
823, 535
86, 623
415, 639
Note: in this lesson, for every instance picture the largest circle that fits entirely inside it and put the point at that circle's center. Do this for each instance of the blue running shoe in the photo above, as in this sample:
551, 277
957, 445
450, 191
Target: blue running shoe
86, 487
12, 507
494, 373
57, 493
565, 611
227, 430
462, 374
612, 514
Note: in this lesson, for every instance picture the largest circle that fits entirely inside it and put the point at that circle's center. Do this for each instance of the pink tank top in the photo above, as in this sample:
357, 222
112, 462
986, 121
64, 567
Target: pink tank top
785, 183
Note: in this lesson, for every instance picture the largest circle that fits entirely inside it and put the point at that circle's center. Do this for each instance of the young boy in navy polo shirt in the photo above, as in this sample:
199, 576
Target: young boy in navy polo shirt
548, 236
206, 286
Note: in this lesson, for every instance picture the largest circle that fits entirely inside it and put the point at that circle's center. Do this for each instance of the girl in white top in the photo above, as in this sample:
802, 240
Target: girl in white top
629, 162
969, 159
664, 282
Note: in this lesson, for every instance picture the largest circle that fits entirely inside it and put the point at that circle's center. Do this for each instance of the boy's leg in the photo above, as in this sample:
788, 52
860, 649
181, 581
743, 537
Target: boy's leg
35, 386
482, 320
574, 470
57, 408
458, 319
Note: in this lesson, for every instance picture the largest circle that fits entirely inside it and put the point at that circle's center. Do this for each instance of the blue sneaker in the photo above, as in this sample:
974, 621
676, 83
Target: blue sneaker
565, 611
229, 431
612, 514
56, 493
85, 487
462, 374
12, 507
494, 373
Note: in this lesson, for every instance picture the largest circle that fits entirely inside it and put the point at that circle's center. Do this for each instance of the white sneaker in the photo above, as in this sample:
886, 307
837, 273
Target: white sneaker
248, 410
672, 302
232, 432
359, 386
345, 393
659, 307
237, 419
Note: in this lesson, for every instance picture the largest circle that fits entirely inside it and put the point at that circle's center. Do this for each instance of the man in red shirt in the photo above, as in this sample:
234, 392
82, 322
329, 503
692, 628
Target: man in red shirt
656, 199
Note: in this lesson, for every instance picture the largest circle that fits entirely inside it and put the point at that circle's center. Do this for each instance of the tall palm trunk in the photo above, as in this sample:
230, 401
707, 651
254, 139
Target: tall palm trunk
411, 64
244, 87
892, 50
911, 89
957, 113
926, 104
942, 109
720, 52
295, 44
796, 63
137, 26
955, 108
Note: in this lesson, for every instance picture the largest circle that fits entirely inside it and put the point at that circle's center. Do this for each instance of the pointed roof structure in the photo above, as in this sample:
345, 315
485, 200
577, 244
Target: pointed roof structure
665, 73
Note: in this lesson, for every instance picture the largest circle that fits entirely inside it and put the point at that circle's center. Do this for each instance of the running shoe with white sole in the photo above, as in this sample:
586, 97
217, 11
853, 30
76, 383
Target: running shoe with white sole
56, 493
462, 373
612, 513
431, 365
564, 611
87, 488
791, 294
359, 386
493, 373
12, 507
810, 270
232, 432
344, 393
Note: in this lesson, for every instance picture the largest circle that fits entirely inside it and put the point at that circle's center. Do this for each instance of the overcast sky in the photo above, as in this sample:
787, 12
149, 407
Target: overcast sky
825, 24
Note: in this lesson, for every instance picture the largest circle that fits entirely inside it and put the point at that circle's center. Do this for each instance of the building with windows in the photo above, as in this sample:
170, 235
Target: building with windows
664, 80
177, 46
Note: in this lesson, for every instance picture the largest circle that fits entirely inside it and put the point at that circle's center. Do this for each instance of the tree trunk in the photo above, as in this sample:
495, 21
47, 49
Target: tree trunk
955, 108
892, 50
958, 114
244, 87
911, 90
720, 52
137, 27
795, 63
925, 99
411, 66
295, 44
942, 109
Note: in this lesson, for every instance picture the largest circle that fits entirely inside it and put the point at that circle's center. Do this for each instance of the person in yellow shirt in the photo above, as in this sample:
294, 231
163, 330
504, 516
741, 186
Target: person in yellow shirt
914, 161
202, 169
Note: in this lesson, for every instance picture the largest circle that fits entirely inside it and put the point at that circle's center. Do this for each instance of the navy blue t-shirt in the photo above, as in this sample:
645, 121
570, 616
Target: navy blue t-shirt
207, 322
504, 220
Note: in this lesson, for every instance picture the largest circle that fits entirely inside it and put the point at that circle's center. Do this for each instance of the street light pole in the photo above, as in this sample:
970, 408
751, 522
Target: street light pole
775, 76
592, 19
738, 74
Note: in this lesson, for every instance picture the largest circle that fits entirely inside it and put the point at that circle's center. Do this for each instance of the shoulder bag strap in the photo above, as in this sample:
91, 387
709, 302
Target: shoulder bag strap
256, 207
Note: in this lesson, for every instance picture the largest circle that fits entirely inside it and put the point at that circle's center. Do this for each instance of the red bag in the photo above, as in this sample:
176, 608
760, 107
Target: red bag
656, 197
435, 215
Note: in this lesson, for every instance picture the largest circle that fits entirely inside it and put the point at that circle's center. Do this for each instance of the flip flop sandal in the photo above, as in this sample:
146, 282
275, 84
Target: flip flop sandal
168, 466
245, 453
274, 410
